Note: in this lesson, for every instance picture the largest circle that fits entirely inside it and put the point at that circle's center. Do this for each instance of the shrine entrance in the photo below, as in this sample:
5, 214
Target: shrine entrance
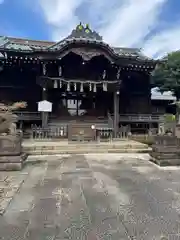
85, 115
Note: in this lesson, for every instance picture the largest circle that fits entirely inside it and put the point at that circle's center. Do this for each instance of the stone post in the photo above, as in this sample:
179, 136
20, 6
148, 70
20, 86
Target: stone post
116, 113
44, 116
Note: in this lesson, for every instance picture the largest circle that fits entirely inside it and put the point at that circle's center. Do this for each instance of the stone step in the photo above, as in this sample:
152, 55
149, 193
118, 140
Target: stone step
82, 147
85, 151
12, 163
166, 162
38, 147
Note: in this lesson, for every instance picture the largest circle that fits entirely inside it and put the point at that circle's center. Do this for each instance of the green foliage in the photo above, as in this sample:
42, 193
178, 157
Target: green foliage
166, 75
169, 118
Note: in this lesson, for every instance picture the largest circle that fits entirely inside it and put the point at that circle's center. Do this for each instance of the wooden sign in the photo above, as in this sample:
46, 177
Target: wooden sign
44, 106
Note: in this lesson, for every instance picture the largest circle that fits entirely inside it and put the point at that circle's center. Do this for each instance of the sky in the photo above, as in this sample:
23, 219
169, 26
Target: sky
152, 25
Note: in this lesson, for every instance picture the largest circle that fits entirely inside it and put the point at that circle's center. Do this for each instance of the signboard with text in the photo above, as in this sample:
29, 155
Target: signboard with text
44, 106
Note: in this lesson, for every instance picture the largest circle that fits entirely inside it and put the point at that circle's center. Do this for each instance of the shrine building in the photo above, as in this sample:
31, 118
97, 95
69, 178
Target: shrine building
88, 82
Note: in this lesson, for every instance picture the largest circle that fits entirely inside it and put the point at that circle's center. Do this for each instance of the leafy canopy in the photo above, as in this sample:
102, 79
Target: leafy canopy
166, 75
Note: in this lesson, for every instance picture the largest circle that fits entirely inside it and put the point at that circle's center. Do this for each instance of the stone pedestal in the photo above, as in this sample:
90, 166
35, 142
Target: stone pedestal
177, 130
11, 156
166, 151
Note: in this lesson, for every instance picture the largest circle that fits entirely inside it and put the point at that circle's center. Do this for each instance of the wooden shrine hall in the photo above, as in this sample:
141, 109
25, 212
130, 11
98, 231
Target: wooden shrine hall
92, 86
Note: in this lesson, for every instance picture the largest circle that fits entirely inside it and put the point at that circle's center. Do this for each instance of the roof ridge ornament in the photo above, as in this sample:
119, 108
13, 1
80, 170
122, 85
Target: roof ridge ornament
79, 27
84, 31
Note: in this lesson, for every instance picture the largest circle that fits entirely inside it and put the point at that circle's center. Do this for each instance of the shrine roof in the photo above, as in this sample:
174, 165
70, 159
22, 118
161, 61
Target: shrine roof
81, 34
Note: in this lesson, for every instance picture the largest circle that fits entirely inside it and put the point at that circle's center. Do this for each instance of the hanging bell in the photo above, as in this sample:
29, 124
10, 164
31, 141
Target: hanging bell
55, 84
81, 88
68, 87
94, 88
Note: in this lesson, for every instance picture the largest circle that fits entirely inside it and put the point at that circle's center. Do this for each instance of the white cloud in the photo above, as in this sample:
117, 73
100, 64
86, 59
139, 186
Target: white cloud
164, 42
125, 23
60, 14
132, 22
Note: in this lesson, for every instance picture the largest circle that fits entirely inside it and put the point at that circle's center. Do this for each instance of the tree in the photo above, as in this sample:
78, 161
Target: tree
166, 75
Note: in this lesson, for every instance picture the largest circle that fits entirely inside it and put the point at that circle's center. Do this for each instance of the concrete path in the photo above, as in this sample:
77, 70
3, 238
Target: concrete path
94, 197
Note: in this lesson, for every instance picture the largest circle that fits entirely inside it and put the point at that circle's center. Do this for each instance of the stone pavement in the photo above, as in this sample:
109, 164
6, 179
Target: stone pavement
92, 197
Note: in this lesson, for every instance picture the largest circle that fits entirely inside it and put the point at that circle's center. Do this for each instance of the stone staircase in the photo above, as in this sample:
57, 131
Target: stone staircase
65, 147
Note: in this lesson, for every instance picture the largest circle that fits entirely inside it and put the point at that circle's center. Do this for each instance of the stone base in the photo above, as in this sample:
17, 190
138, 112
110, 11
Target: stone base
166, 158
166, 151
12, 163
177, 131
166, 162
10, 145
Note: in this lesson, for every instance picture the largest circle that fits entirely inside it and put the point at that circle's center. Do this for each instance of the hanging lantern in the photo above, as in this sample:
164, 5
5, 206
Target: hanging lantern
104, 74
94, 88
60, 84
75, 87
55, 84
60, 71
105, 86
118, 73
44, 69
81, 88
68, 87
90, 87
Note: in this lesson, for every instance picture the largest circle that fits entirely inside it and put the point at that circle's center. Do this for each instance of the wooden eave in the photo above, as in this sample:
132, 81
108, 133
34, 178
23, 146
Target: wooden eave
51, 50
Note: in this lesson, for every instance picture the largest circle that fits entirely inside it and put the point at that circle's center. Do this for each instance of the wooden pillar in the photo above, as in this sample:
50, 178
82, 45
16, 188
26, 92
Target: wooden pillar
21, 125
44, 116
116, 113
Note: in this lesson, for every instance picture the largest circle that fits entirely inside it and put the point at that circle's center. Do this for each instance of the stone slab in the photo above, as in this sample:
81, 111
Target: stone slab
12, 163
166, 149
166, 162
85, 151
11, 159
165, 155
101, 196
11, 166
9, 186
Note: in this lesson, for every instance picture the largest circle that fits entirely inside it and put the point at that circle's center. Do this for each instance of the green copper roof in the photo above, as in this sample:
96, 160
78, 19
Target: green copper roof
21, 47
81, 34
3, 40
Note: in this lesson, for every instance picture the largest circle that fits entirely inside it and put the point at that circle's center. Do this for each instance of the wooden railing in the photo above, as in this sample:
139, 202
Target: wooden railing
30, 116
37, 132
140, 118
